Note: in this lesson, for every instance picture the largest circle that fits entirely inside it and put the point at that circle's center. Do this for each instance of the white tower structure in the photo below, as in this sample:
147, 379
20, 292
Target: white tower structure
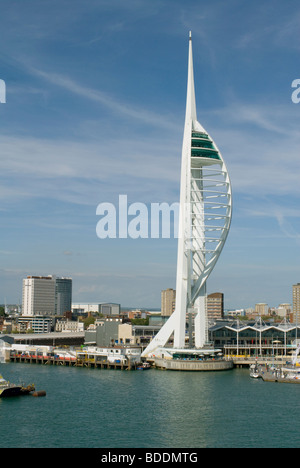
204, 222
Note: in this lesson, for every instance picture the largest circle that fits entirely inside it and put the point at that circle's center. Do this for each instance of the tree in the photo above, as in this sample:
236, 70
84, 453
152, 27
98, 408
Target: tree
89, 321
140, 321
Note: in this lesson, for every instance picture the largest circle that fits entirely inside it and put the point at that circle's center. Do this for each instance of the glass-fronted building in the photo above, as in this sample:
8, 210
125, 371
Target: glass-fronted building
255, 338
63, 296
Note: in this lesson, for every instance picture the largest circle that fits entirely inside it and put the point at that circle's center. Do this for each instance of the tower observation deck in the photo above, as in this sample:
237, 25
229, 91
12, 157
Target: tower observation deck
204, 222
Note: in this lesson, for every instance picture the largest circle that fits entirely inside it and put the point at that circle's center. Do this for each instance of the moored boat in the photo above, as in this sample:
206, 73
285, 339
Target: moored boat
144, 366
8, 389
254, 372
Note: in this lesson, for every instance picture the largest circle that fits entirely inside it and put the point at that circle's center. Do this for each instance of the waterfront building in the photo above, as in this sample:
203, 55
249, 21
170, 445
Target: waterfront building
5, 343
296, 303
51, 339
250, 339
112, 355
204, 222
113, 331
168, 298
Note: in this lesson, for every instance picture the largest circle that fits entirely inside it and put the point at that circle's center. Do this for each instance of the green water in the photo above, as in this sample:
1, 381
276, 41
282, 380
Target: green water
148, 409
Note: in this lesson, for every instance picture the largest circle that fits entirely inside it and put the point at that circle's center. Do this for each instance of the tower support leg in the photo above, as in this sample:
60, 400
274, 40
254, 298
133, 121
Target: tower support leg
201, 332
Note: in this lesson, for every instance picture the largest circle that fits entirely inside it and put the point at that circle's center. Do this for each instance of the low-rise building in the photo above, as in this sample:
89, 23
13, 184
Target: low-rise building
36, 323
110, 332
104, 308
69, 326
255, 338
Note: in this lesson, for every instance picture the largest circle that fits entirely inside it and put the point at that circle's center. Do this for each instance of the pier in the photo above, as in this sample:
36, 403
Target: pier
241, 361
73, 362
274, 353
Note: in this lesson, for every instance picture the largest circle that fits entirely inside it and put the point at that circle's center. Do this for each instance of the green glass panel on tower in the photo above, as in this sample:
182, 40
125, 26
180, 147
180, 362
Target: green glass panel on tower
203, 147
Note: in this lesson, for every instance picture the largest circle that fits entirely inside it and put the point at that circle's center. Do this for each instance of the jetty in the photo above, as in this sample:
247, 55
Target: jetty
92, 357
73, 362
282, 375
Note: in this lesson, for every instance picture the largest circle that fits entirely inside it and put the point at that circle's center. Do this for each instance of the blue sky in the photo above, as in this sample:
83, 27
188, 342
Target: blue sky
95, 108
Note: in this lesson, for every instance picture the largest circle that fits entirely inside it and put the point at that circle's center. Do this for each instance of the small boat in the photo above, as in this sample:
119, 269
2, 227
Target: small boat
254, 372
8, 389
144, 366
255, 375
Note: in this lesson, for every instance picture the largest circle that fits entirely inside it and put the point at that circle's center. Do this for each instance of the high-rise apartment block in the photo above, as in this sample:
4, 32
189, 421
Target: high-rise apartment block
215, 306
261, 309
63, 296
46, 295
296, 303
168, 299
38, 296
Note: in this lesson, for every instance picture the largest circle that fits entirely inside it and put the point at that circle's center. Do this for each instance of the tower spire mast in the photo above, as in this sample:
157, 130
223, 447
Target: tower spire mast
191, 113
204, 222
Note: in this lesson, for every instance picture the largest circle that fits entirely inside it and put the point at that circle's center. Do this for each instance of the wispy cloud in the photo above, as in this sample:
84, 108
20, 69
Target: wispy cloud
282, 33
113, 104
281, 119
76, 171
260, 145
287, 217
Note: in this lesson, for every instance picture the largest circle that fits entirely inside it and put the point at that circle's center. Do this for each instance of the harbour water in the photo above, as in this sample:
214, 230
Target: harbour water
95, 408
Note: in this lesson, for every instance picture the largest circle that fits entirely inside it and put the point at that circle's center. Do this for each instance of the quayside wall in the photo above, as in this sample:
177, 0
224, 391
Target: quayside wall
190, 365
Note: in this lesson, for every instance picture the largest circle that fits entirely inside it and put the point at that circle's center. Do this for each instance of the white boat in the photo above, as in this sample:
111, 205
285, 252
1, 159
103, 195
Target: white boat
255, 375
254, 372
